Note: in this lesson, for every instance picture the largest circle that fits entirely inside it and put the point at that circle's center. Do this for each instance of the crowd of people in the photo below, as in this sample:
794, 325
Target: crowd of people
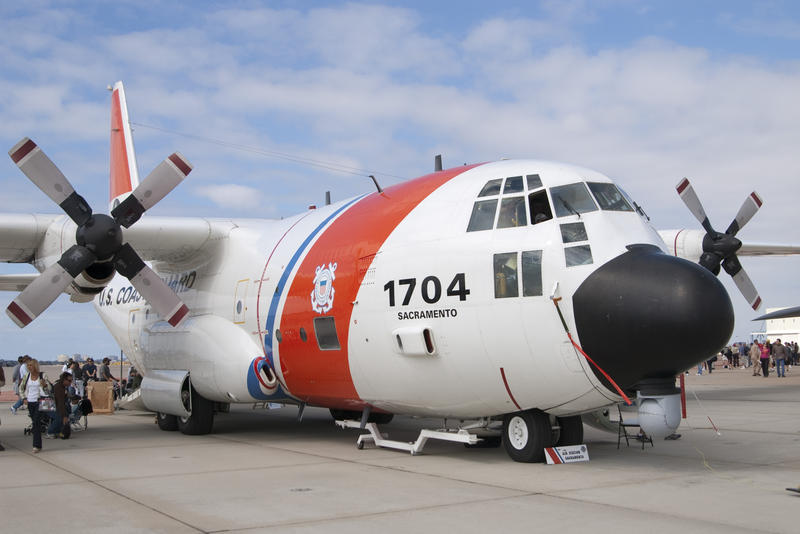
61, 403
761, 357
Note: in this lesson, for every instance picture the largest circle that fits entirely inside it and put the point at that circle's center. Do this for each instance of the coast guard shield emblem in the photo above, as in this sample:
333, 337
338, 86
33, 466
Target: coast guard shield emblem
322, 296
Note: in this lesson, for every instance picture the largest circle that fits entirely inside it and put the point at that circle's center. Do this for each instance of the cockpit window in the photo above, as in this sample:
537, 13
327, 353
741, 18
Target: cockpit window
505, 275
534, 182
512, 212
540, 208
482, 215
492, 187
513, 185
609, 197
572, 199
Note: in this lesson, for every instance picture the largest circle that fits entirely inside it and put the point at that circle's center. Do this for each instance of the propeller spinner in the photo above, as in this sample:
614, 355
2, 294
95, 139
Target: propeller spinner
719, 249
99, 237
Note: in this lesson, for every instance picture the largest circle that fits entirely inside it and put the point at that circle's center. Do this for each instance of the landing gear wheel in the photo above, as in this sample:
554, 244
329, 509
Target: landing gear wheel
202, 418
571, 431
166, 421
526, 434
374, 417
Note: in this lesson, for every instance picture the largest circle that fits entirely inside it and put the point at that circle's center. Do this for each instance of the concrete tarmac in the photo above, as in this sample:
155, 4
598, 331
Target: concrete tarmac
262, 471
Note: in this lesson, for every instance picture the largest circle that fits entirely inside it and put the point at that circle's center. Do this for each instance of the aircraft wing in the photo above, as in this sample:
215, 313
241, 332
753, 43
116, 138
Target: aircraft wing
16, 282
767, 249
780, 314
28, 237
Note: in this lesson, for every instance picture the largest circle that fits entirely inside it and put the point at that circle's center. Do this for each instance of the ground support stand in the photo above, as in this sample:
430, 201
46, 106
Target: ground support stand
414, 447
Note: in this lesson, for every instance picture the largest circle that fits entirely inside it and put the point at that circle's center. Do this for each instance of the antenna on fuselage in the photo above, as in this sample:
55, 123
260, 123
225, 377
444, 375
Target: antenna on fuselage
437, 163
376, 183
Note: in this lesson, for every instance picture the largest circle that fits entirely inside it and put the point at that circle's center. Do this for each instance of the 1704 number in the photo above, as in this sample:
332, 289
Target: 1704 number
430, 289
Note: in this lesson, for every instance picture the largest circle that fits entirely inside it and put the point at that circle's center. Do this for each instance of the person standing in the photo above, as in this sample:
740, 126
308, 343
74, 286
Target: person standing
2, 383
755, 357
780, 354
22, 373
764, 359
77, 379
61, 416
32, 388
735, 356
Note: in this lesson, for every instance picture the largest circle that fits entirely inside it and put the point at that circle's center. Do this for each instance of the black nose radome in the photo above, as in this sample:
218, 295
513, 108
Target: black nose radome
645, 314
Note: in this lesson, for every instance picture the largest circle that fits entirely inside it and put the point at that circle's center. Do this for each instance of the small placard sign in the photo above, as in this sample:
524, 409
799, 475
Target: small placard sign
566, 455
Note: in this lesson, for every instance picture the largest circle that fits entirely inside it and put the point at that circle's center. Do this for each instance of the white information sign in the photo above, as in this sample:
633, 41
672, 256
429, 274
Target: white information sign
566, 455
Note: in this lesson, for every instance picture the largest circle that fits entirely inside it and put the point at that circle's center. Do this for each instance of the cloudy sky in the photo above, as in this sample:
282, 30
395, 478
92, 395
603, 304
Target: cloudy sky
644, 91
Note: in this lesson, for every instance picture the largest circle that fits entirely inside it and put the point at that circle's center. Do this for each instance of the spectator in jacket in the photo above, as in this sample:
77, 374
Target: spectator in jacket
755, 358
780, 354
61, 398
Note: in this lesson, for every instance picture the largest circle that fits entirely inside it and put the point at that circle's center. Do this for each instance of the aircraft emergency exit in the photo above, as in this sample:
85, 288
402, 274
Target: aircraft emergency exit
520, 292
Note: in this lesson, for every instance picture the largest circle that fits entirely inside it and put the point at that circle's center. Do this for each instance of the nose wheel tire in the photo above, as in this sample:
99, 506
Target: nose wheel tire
166, 421
526, 434
571, 431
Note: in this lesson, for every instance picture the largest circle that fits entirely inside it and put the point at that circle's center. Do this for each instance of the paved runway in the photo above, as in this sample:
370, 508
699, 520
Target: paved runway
262, 471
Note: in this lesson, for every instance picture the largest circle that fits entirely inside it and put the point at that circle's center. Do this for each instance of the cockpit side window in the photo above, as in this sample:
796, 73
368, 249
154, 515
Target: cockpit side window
512, 212
609, 197
540, 207
482, 215
572, 199
491, 188
505, 275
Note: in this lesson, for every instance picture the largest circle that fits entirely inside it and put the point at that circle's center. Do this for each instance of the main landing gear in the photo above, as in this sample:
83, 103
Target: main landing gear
526, 434
200, 422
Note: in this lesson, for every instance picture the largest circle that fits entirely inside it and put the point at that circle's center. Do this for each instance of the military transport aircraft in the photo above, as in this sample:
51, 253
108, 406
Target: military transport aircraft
517, 291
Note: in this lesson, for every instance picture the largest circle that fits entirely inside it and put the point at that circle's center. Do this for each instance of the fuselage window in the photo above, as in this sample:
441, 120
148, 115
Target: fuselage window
573, 232
482, 215
505, 275
540, 207
534, 182
514, 184
580, 255
512, 213
532, 273
572, 199
609, 197
325, 330
491, 188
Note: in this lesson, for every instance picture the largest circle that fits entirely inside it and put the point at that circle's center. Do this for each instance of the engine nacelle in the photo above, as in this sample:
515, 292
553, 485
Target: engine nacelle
91, 281
167, 392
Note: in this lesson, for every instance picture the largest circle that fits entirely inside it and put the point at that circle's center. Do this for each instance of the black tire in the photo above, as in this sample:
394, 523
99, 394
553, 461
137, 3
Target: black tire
374, 417
166, 421
201, 421
571, 431
526, 434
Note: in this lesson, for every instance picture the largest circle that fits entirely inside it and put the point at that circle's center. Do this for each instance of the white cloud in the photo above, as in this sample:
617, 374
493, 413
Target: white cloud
232, 196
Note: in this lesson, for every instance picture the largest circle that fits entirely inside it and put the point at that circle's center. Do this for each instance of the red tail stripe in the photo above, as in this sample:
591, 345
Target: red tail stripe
23, 151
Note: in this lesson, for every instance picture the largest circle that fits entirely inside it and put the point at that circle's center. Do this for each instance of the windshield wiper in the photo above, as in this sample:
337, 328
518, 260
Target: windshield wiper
569, 207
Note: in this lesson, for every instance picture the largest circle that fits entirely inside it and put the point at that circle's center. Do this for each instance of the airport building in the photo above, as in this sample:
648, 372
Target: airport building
786, 329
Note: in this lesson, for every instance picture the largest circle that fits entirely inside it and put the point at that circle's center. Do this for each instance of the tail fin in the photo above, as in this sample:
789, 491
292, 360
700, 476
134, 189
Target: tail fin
124, 175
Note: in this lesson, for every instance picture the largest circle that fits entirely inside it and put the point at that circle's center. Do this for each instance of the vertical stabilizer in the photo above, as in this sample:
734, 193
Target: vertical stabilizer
124, 176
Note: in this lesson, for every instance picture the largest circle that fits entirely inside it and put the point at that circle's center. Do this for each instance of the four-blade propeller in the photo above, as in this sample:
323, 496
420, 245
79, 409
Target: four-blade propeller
720, 248
99, 237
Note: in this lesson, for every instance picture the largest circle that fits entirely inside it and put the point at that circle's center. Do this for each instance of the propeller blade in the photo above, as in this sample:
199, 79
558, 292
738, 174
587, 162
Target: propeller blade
742, 281
689, 197
149, 285
156, 186
40, 170
49, 285
751, 205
